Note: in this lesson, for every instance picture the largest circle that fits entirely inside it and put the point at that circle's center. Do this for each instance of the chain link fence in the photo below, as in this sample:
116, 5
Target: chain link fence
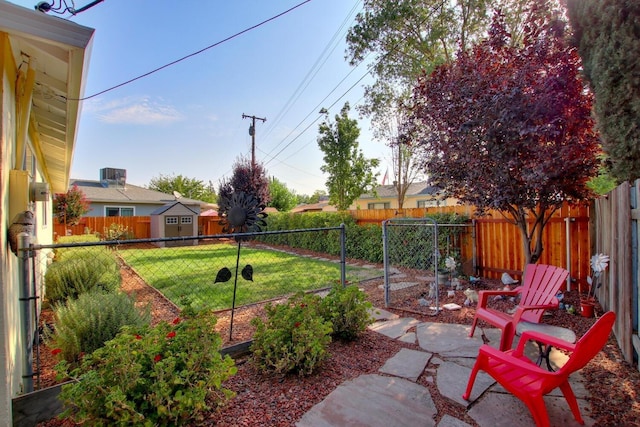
423, 256
205, 272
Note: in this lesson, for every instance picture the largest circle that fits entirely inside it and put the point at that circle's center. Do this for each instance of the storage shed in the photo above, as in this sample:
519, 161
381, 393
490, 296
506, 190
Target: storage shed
174, 220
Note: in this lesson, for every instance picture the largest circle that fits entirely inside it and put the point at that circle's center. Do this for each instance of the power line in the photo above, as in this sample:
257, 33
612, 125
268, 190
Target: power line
369, 70
313, 71
191, 54
317, 118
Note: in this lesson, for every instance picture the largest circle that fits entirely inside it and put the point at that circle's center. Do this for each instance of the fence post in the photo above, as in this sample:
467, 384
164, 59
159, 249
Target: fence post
474, 248
568, 222
26, 310
385, 257
343, 255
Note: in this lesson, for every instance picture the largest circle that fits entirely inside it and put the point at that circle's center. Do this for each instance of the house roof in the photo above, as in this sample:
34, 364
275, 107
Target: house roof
96, 192
55, 52
314, 207
415, 189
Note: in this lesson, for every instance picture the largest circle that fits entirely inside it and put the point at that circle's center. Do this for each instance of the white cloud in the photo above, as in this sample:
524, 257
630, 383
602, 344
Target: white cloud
141, 111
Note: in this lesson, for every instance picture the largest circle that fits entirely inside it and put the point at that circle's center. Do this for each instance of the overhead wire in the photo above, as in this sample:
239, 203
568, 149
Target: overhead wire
319, 116
253, 27
369, 70
312, 73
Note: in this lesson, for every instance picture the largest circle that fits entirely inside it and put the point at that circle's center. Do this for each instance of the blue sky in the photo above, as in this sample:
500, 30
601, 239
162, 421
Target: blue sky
187, 119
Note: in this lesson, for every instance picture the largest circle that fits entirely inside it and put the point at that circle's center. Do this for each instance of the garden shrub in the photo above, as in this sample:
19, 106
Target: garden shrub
117, 232
348, 311
64, 253
82, 271
294, 338
327, 242
85, 324
364, 242
162, 375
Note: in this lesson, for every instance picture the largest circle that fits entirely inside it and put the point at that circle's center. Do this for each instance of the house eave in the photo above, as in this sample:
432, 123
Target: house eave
58, 52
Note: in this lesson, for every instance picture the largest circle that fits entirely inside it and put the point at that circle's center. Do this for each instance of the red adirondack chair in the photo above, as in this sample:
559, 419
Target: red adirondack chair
529, 382
537, 294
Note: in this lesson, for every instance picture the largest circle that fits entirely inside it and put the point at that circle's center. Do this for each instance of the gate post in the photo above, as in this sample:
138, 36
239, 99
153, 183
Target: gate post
385, 260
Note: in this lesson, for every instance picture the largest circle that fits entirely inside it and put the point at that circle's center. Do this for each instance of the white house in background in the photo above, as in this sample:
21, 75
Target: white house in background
43, 64
418, 195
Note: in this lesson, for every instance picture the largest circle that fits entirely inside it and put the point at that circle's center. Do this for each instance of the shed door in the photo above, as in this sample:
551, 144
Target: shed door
178, 226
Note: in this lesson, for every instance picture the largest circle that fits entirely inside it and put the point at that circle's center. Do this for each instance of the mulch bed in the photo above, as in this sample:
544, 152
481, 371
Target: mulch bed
280, 401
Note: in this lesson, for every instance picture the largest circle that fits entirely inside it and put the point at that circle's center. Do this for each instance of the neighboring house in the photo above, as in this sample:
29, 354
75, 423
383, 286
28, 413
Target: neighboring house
419, 195
321, 206
43, 64
112, 196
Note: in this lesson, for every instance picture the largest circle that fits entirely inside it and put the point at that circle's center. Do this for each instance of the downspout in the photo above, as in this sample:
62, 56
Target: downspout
26, 310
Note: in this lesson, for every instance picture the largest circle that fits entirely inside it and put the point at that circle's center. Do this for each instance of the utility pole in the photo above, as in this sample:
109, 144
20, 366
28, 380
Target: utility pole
252, 132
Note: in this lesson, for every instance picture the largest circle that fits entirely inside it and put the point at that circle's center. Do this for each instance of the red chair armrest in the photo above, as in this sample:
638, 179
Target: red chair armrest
543, 338
512, 358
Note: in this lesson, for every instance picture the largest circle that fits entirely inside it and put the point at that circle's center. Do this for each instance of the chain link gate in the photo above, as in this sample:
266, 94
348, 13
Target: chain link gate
420, 246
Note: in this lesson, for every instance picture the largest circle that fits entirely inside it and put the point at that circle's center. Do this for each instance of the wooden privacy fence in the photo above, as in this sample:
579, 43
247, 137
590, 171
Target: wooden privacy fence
566, 240
139, 226
616, 227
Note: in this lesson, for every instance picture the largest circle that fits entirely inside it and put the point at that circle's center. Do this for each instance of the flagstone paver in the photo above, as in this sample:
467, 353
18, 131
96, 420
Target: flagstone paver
394, 328
449, 421
374, 401
407, 364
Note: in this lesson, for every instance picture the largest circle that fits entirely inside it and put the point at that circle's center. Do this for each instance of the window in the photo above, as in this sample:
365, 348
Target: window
118, 211
171, 220
186, 220
431, 203
379, 205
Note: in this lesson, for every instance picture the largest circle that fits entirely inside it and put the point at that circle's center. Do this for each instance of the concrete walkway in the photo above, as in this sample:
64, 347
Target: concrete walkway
393, 398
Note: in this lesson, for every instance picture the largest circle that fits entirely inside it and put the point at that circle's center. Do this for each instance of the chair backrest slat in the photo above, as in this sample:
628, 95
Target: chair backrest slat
540, 286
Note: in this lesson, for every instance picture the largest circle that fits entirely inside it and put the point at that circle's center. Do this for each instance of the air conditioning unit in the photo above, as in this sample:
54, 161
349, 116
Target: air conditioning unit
113, 177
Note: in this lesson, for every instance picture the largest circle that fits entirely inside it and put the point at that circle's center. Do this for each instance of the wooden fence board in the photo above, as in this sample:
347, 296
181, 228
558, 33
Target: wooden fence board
612, 236
139, 226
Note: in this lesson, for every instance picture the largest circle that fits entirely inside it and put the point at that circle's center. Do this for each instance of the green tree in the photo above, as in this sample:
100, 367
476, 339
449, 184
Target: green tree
350, 173
247, 179
188, 187
608, 38
70, 206
405, 167
412, 37
603, 183
314, 198
510, 128
317, 195
281, 197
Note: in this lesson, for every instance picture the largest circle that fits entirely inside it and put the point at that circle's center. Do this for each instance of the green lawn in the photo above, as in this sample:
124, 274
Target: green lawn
190, 271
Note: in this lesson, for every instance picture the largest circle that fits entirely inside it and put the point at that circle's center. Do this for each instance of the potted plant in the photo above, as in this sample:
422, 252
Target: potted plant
599, 263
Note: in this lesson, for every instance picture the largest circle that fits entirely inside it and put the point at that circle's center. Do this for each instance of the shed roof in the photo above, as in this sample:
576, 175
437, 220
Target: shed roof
169, 206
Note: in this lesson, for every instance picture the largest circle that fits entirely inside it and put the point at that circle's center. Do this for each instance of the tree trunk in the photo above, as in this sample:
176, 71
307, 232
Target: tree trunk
526, 243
